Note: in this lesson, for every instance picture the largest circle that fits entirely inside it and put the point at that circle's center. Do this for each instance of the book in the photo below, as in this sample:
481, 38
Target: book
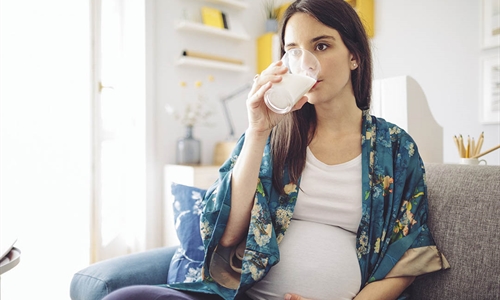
213, 17
211, 57
224, 19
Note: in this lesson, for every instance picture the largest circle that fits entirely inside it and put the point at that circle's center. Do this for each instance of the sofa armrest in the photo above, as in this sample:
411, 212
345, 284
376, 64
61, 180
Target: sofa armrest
99, 279
464, 202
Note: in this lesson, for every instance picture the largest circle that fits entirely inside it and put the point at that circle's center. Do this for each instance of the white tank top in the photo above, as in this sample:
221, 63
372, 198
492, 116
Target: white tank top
318, 253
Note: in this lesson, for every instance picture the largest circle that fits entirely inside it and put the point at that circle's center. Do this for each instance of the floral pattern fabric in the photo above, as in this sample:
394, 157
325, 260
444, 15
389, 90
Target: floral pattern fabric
186, 264
394, 210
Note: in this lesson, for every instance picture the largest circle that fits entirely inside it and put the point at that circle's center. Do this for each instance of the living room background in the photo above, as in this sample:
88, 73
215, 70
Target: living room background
46, 112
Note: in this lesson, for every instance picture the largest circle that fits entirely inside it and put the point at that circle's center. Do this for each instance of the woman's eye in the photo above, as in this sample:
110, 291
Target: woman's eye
295, 52
321, 47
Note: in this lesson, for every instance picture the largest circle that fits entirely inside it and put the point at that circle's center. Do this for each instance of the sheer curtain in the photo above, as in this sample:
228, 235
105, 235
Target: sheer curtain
119, 128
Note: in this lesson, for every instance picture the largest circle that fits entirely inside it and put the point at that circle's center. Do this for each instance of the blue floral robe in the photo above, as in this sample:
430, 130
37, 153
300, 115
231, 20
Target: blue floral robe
392, 240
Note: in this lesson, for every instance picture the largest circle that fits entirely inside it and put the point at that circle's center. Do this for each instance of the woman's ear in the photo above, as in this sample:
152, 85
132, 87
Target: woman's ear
354, 63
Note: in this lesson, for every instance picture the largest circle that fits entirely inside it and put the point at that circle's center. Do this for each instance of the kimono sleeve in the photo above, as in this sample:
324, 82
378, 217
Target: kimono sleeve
217, 202
412, 250
261, 251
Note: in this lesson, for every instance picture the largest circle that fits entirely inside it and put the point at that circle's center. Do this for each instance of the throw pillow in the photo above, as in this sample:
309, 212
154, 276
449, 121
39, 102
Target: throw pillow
188, 259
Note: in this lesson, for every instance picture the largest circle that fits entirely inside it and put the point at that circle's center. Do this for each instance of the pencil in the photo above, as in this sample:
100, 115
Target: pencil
467, 150
461, 144
473, 147
486, 152
456, 144
479, 143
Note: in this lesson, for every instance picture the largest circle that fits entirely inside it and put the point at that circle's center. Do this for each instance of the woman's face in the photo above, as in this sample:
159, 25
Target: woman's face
334, 79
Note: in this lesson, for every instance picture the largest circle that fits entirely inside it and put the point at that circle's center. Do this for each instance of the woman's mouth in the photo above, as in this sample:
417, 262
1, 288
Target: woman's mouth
317, 82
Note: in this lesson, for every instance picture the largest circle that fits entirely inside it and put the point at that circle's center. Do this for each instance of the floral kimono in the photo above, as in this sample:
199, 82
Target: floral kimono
392, 240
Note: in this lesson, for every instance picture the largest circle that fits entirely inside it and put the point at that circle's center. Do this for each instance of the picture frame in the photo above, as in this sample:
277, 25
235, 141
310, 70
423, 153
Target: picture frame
490, 23
490, 95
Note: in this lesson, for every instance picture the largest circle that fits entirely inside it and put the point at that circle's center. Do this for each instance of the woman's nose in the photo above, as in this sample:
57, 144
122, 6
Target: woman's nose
308, 61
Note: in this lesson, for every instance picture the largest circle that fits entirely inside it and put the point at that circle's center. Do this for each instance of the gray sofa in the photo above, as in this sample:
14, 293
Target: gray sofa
464, 216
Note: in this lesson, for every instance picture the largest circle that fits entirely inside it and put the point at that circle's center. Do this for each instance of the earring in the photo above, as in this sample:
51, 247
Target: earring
354, 65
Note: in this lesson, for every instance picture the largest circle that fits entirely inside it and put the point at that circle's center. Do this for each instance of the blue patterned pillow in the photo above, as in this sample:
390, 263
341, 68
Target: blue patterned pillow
188, 259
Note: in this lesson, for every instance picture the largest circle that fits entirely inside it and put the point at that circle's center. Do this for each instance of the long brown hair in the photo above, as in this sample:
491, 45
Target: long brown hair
290, 138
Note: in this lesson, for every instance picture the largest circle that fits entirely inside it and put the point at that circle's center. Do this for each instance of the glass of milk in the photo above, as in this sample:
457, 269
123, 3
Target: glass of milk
303, 68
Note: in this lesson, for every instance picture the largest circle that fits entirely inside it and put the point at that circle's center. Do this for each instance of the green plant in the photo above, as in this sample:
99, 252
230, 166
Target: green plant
270, 9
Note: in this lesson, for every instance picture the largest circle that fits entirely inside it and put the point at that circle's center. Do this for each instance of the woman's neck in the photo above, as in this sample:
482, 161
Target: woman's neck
339, 118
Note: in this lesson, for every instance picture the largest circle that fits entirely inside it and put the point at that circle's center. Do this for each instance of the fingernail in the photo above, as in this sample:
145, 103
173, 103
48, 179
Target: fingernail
288, 297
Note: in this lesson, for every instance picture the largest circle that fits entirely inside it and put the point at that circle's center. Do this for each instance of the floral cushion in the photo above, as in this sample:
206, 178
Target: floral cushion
188, 259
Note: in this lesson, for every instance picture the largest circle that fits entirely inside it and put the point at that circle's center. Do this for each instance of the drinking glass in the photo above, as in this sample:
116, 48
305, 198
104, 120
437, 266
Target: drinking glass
303, 68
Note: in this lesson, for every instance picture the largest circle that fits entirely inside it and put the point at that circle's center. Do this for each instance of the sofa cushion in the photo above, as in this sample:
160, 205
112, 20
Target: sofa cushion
187, 261
464, 203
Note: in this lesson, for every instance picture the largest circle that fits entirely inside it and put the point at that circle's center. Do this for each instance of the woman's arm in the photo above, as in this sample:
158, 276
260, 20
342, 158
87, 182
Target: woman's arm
244, 180
245, 173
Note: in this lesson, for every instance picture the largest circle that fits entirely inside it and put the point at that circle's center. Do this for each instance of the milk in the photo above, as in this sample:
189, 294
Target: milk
283, 95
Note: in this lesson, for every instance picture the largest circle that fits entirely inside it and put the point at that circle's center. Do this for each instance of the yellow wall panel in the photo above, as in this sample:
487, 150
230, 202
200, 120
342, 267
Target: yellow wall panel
366, 12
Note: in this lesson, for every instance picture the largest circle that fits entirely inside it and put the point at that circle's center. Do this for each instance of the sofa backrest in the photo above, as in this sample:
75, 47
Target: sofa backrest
464, 218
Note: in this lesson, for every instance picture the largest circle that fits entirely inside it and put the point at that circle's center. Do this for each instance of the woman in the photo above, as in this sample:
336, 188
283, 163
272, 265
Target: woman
336, 196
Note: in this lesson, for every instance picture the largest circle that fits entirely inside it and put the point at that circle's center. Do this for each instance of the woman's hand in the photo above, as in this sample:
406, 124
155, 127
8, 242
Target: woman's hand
294, 297
260, 117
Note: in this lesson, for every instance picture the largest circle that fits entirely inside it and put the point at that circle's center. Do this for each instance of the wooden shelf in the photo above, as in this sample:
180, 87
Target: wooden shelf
200, 28
229, 3
206, 63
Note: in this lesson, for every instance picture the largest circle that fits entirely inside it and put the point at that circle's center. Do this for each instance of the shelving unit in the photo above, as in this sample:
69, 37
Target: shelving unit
236, 34
229, 3
200, 28
206, 63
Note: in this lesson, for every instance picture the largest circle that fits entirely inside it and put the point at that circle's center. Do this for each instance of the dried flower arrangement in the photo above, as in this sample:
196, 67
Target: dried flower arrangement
197, 111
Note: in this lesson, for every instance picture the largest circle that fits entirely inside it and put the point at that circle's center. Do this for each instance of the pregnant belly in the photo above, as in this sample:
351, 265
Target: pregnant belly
317, 261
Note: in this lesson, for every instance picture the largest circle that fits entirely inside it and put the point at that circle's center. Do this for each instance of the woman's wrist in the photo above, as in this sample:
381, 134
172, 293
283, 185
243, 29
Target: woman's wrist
257, 135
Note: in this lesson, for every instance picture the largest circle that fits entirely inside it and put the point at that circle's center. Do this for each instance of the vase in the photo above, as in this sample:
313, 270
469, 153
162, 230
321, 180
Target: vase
271, 25
188, 149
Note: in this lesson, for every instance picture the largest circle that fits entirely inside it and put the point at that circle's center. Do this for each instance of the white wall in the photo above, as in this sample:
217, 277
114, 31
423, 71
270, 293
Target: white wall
439, 44
45, 145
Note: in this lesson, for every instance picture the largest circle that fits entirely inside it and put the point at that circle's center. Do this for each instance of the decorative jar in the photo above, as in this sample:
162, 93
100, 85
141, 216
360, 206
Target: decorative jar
188, 149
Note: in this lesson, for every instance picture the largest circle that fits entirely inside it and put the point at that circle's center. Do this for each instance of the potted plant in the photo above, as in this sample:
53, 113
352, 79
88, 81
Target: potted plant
271, 15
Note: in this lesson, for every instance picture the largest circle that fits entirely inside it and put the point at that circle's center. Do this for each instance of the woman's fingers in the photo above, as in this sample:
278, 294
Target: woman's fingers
260, 117
271, 74
294, 297
254, 100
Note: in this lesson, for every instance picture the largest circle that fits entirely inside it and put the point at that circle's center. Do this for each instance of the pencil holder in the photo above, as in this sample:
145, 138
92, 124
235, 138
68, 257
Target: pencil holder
473, 161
